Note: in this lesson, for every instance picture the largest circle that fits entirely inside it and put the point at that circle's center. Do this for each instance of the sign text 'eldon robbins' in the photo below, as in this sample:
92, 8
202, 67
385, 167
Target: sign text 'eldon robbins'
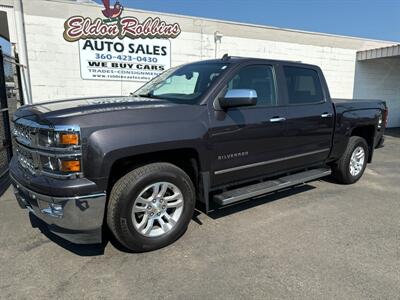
124, 48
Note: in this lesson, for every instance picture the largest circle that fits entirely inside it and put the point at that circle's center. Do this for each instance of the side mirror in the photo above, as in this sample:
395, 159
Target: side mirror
238, 97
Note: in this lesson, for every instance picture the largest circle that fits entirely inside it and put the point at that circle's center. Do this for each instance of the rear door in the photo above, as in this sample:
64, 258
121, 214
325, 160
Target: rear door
309, 118
247, 142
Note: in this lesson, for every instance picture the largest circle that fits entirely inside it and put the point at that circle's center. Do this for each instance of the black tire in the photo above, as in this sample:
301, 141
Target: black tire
123, 196
341, 168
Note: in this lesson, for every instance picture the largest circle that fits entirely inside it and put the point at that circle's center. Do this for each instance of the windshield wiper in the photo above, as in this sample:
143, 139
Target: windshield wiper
148, 95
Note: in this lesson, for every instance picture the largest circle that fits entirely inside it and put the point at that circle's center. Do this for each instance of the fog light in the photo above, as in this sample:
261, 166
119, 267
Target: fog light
60, 165
70, 166
54, 210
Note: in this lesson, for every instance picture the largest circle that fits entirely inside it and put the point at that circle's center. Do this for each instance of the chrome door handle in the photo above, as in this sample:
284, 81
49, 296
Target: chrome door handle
277, 119
326, 115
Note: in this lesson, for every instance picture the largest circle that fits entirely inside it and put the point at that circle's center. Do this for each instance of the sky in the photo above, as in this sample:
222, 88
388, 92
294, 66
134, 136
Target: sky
374, 19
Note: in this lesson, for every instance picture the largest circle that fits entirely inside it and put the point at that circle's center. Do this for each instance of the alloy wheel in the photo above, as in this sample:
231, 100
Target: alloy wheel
357, 161
157, 209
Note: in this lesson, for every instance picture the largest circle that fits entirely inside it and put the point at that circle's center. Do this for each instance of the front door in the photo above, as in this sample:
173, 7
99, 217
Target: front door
247, 142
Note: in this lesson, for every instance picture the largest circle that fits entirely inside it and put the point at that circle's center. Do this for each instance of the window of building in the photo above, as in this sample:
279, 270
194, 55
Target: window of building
5, 46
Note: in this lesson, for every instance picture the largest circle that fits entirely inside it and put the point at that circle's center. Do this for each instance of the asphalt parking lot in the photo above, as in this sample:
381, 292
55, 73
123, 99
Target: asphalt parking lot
318, 241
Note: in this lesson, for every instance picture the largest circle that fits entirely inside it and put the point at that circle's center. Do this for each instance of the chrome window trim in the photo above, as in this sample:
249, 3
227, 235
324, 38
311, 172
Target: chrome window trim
262, 163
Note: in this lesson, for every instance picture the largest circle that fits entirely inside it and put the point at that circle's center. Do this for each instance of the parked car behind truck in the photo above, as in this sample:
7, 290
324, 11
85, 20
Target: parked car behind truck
217, 132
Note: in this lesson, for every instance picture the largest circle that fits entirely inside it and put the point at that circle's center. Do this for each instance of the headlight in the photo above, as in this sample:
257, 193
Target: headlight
68, 139
55, 150
57, 139
61, 150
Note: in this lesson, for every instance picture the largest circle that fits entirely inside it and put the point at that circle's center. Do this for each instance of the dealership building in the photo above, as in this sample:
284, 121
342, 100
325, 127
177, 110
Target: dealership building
57, 64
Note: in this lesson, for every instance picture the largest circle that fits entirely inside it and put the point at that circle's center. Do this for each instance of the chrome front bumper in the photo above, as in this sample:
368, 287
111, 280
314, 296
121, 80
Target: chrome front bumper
77, 219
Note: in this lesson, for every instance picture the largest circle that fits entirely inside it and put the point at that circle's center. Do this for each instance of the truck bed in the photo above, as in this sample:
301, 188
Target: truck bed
342, 105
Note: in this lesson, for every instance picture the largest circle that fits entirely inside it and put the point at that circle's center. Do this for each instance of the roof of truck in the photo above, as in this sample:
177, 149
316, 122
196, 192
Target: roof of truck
239, 59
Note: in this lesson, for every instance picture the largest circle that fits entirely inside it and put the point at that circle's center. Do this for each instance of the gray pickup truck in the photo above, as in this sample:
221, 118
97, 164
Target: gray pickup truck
214, 133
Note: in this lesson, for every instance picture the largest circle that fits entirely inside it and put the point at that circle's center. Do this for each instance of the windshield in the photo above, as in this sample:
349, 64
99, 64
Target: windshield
185, 84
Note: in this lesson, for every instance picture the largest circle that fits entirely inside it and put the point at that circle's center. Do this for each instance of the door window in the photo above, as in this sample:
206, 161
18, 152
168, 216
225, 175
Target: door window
259, 78
304, 86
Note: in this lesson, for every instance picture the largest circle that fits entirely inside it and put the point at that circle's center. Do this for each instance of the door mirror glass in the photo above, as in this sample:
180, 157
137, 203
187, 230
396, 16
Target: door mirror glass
238, 97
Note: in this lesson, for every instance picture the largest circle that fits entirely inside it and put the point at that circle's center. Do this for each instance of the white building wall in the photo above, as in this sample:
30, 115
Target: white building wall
54, 63
55, 69
55, 66
380, 79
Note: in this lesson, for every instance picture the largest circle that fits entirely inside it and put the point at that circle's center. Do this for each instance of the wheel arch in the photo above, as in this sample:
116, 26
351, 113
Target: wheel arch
185, 158
367, 132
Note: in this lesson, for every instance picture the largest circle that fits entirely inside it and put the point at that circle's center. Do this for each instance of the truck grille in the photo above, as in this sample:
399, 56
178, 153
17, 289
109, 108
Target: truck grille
26, 159
23, 134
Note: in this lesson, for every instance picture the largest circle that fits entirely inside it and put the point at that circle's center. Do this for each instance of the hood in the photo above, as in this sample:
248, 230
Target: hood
106, 111
83, 106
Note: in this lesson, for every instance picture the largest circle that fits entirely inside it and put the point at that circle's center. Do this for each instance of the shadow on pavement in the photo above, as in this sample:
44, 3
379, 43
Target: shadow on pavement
87, 250
113, 241
81, 250
220, 212
331, 180
5, 183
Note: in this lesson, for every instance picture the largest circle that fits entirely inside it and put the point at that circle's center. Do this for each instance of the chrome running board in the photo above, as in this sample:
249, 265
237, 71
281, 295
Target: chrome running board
266, 187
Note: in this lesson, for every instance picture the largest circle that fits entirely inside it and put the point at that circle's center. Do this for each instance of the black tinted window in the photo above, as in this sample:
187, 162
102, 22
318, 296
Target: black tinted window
303, 85
259, 78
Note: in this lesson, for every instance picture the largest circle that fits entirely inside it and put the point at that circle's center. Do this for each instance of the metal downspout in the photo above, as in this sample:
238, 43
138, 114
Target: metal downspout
23, 50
